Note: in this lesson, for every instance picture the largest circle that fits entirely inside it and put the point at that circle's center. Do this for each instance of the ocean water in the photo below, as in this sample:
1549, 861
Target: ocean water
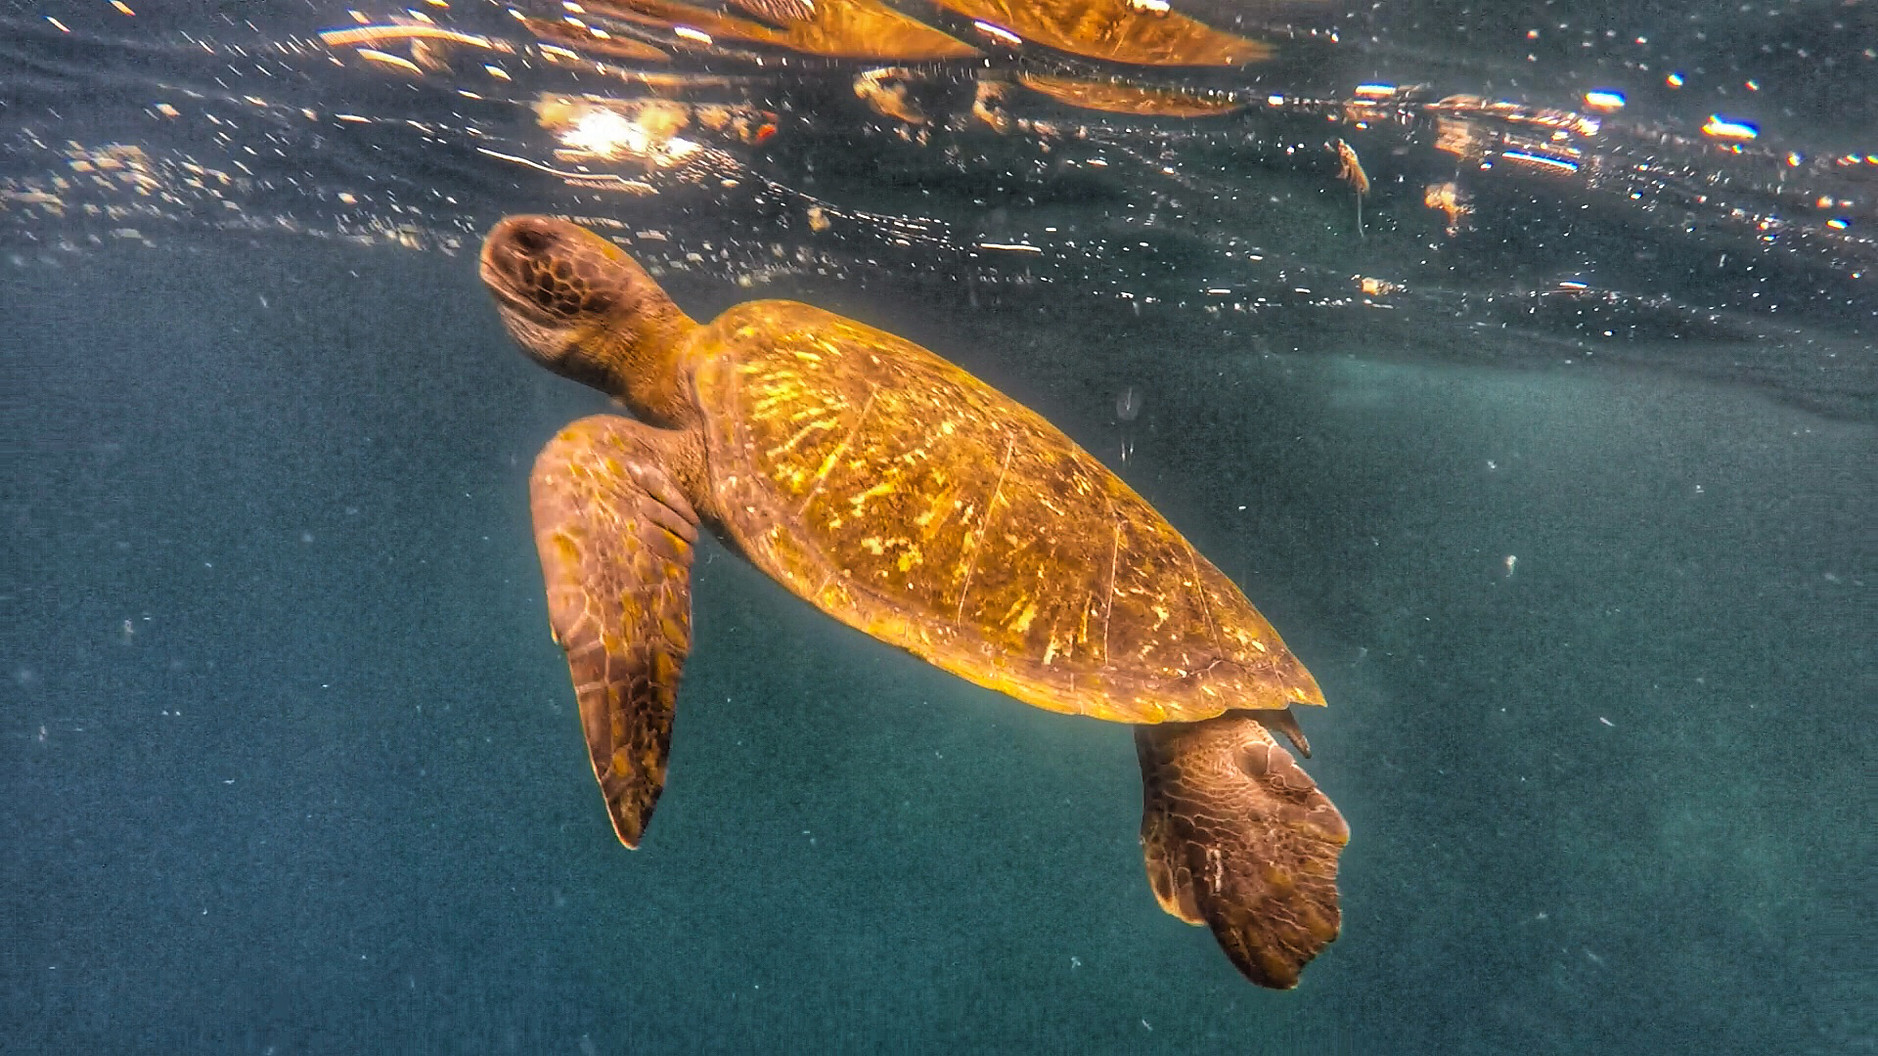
1572, 519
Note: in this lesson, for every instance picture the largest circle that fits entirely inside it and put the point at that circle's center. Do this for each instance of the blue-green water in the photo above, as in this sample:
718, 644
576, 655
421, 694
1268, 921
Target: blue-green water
289, 763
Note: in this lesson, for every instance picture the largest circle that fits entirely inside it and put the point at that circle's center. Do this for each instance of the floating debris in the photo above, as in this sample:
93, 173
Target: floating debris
885, 91
1453, 202
1351, 172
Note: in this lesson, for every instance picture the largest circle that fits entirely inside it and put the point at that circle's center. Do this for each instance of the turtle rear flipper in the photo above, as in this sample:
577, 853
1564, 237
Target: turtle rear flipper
1239, 838
616, 532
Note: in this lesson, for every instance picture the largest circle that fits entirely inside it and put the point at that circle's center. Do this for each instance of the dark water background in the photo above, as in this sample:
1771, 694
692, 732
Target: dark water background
290, 764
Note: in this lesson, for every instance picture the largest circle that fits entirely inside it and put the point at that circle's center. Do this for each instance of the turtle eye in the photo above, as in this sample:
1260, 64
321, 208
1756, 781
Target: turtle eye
531, 239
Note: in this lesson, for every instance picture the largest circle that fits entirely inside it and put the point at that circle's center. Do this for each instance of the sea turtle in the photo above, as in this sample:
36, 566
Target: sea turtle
906, 498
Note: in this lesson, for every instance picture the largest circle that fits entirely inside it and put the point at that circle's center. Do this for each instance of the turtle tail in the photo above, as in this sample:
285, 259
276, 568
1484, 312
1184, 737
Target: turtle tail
1240, 839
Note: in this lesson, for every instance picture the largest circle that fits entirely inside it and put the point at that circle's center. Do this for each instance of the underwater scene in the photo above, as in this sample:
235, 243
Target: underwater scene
1275, 526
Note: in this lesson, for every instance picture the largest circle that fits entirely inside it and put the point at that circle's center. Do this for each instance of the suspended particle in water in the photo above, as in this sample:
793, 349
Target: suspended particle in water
1453, 202
1351, 171
1128, 404
1127, 409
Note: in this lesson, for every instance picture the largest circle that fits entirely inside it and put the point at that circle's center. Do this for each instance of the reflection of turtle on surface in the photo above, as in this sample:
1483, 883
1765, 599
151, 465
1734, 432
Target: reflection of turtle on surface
905, 498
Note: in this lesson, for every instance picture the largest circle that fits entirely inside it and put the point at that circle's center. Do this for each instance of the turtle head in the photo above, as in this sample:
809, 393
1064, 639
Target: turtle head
582, 308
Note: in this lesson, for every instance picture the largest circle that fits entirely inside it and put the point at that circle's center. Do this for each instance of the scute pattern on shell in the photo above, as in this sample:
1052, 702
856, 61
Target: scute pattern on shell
909, 499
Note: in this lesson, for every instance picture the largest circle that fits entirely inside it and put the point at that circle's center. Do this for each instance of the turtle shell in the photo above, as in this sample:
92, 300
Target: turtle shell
910, 500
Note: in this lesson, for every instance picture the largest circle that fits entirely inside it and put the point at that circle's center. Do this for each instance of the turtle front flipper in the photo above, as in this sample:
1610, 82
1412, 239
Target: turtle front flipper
616, 533
1239, 838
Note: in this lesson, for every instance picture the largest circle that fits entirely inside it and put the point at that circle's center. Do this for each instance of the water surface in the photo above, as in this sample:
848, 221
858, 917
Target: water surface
1571, 522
